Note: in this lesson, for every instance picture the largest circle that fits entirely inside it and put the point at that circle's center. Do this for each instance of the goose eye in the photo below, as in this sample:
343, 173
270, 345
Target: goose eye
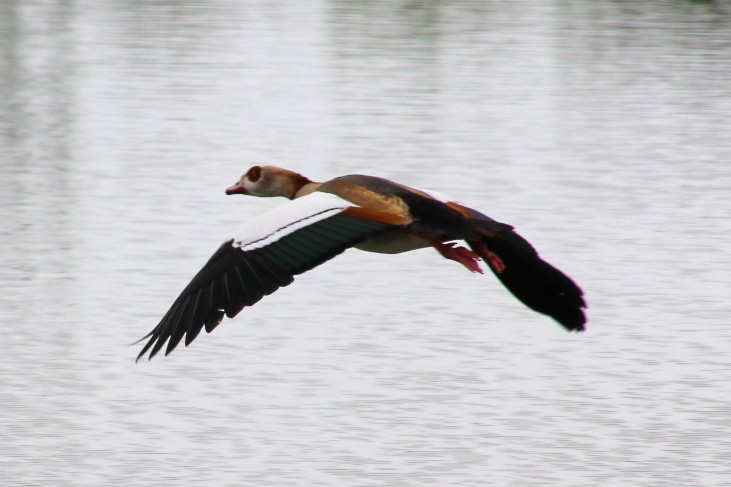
254, 174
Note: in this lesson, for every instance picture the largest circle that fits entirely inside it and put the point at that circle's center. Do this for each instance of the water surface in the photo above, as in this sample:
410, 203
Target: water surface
599, 130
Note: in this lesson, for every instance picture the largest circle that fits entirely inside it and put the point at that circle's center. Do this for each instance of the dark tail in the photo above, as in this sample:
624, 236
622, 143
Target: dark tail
536, 283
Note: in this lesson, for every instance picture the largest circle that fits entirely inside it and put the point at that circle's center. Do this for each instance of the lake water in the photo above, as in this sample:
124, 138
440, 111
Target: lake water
601, 130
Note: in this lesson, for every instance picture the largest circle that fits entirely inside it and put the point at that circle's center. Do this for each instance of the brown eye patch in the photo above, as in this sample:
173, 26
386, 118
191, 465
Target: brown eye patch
254, 174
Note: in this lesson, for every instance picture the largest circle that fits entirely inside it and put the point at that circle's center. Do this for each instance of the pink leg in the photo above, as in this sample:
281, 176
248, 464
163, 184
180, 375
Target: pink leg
452, 251
492, 259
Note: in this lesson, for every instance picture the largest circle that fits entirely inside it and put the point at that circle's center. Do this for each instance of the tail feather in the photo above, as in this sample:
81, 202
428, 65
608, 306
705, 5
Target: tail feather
536, 283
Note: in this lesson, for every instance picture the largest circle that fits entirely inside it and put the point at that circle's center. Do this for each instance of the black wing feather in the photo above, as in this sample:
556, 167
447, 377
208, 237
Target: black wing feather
234, 278
201, 313
532, 280
538, 284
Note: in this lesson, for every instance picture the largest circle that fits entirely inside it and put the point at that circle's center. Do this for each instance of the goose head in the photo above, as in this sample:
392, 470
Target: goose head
267, 181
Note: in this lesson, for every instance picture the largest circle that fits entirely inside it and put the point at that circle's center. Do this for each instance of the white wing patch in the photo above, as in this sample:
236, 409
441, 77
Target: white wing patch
439, 196
269, 227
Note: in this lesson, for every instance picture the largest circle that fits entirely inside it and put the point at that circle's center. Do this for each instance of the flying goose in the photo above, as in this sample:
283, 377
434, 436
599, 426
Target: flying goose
369, 213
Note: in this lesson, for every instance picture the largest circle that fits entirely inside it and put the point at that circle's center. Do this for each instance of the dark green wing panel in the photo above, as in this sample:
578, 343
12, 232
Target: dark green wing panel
234, 277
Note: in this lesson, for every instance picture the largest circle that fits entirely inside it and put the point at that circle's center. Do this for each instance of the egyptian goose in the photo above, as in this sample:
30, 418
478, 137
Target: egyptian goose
365, 212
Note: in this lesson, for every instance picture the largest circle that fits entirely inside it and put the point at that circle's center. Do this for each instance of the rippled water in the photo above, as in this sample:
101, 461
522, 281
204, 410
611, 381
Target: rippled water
599, 129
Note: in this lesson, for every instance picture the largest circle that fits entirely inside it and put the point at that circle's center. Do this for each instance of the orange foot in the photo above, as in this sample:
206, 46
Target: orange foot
492, 259
452, 251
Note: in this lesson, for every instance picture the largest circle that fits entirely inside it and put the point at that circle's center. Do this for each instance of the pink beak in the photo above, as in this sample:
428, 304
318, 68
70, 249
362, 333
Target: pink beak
236, 189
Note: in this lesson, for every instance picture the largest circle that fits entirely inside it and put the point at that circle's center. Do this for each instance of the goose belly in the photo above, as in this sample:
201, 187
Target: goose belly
393, 242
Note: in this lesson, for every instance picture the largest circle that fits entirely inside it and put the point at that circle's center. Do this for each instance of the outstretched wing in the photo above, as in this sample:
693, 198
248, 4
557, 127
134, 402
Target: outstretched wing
535, 282
264, 255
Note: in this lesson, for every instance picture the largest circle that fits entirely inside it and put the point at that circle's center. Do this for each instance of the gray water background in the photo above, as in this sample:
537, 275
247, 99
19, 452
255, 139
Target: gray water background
601, 130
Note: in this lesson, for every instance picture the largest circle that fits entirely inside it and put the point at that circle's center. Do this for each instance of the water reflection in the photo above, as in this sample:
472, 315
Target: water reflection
599, 129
